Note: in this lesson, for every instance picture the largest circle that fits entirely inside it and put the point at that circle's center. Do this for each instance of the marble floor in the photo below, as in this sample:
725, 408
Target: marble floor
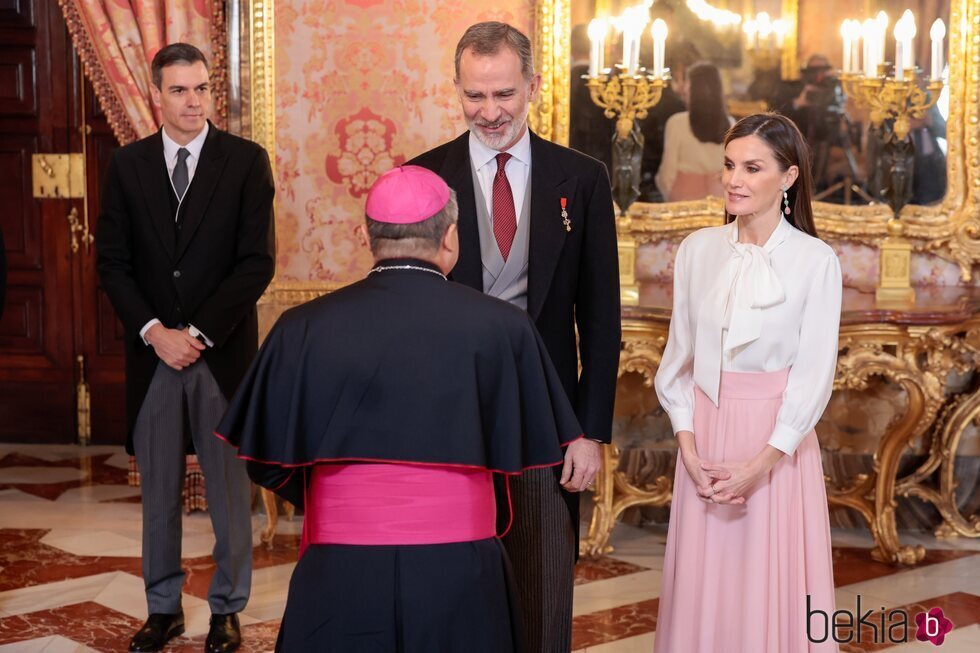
70, 573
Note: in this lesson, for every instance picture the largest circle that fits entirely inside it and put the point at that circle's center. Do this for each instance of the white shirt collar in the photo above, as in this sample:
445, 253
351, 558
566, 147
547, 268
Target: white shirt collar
170, 146
481, 155
776, 238
731, 314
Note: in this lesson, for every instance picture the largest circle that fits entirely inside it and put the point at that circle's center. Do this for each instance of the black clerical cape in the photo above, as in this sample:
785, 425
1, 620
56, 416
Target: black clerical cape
407, 367
402, 367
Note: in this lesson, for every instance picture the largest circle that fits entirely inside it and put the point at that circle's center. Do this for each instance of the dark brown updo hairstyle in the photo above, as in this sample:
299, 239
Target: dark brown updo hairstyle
789, 149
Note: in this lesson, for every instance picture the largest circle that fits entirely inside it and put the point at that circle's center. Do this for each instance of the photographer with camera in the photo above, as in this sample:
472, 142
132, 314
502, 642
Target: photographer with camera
806, 101
815, 103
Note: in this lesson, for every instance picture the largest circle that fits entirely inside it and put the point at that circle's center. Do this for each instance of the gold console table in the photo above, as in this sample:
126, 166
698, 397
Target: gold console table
916, 347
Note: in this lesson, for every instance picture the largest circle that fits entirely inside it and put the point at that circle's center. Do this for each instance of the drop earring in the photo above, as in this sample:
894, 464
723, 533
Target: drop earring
786, 208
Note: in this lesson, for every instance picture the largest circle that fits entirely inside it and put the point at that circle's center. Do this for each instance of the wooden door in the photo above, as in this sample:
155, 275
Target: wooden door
54, 312
37, 371
99, 336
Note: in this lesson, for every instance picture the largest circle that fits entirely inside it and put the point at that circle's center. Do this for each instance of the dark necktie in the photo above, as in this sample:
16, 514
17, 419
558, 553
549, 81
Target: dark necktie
179, 176
504, 216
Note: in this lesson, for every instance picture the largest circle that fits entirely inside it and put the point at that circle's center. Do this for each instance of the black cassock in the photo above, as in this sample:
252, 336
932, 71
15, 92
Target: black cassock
400, 367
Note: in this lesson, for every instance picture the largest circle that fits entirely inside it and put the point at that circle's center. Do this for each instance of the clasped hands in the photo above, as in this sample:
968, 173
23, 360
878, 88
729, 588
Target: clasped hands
175, 347
728, 483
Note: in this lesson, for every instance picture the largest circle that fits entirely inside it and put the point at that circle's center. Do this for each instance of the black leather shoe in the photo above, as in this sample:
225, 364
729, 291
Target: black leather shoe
225, 634
157, 631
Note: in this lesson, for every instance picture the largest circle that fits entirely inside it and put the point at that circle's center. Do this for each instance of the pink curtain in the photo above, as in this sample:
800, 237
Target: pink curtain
116, 40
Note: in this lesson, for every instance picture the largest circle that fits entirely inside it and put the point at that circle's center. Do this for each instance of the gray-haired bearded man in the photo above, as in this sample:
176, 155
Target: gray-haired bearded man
536, 228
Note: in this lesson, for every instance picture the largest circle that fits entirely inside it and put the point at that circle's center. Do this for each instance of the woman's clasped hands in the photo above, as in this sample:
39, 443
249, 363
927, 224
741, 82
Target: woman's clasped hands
726, 483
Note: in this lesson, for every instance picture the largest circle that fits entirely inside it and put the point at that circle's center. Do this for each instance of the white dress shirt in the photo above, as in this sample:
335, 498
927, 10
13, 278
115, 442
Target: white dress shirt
170, 148
518, 169
744, 308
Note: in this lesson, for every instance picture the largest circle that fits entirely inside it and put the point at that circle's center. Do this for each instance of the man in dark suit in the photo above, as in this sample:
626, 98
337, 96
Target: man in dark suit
589, 131
536, 228
186, 247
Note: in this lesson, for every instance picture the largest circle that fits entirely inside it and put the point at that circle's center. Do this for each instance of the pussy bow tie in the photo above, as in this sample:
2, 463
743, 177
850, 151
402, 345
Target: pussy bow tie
747, 285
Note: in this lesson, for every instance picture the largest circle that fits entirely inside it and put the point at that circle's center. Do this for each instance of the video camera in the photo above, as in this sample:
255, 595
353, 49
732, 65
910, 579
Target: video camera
824, 93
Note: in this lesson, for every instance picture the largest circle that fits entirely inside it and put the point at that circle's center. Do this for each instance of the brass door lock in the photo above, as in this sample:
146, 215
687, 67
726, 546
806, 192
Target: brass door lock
78, 228
58, 175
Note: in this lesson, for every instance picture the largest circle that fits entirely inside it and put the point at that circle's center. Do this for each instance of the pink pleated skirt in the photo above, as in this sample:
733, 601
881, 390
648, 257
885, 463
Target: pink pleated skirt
736, 578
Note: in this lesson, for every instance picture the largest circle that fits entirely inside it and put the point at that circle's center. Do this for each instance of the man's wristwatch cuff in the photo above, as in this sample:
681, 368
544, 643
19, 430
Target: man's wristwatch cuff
198, 335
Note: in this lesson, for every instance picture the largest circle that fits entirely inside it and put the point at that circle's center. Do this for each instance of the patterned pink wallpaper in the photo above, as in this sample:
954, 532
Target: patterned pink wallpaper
361, 86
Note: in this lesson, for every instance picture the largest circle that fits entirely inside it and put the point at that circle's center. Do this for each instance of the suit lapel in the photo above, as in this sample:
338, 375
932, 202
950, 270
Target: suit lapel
206, 176
456, 171
153, 178
548, 185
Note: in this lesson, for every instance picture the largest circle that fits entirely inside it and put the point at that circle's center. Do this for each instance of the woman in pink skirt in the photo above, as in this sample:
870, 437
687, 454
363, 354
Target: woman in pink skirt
746, 374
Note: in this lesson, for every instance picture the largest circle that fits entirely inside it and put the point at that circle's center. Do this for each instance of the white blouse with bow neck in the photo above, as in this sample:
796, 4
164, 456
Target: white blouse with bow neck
745, 308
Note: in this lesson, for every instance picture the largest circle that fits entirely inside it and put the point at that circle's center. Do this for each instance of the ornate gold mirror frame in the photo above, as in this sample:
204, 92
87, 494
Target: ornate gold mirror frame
258, 36
950, 229
261, 30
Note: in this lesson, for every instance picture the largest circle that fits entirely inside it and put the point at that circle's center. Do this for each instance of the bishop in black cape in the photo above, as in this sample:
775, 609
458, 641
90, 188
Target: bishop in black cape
400, 367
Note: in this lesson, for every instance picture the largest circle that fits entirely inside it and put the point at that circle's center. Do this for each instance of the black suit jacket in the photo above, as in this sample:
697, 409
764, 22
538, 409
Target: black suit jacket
573, 276
589, 131
210, 272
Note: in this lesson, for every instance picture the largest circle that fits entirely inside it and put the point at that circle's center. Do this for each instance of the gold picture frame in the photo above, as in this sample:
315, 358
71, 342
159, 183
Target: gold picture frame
261, 107
262, 73
949, 229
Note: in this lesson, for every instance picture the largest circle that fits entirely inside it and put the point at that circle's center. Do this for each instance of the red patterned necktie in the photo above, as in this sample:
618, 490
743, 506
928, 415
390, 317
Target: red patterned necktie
504, 216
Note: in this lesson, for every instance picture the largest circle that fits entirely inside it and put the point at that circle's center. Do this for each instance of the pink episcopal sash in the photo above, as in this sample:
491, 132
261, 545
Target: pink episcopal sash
387, 504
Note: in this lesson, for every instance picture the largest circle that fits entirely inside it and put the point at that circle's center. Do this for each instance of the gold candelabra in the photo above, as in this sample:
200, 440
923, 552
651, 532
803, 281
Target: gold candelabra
888, 98
626, 98
892, 104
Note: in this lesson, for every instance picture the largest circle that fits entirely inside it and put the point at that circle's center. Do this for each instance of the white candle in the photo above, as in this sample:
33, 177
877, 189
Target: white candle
855, 50
899, 60
909, 47
764, 27
750, 31
781, 28
633, 21
659, 34
602, 55
845, 35
937, 33
597, 33
881, 36
635, 52
903, 44
627, 49
868, 33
